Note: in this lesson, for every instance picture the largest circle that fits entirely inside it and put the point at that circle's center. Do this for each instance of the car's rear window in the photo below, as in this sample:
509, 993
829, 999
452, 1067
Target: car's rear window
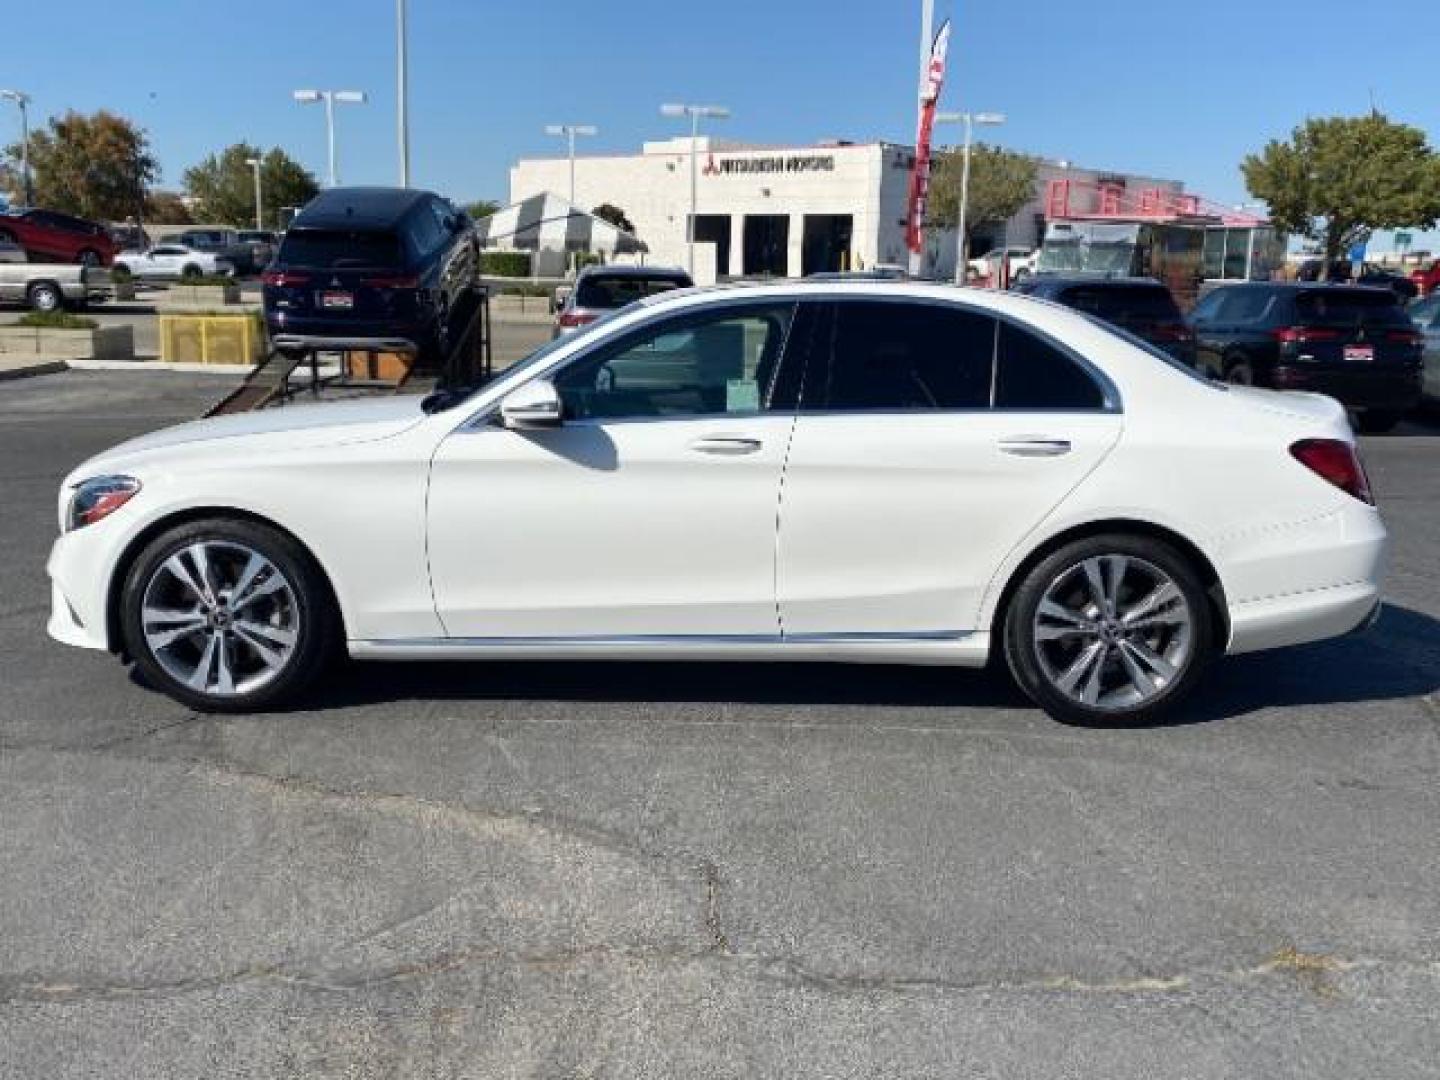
616, 290
1349, 307
337, 249
1123, 301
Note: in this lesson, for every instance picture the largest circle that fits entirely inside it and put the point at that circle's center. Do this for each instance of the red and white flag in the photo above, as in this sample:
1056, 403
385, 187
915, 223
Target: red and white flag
920, 175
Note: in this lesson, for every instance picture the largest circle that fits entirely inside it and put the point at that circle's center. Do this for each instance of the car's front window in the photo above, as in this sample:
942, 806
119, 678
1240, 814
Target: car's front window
715, 363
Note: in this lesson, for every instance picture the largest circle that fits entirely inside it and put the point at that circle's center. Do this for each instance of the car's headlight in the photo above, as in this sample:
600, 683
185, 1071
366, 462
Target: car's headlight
97, 498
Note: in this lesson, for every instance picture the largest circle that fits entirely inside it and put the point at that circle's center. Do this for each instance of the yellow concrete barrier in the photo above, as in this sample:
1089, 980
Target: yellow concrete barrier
211, 339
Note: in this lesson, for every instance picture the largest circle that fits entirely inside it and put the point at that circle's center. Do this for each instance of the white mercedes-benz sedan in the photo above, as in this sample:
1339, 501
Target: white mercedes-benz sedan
844, 471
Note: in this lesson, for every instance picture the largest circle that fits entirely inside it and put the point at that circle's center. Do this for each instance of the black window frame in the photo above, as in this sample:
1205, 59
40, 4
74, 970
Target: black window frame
820, 356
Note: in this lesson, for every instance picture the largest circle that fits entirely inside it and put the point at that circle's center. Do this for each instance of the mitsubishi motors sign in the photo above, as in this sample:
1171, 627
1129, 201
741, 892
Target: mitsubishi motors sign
774, 163
920, 176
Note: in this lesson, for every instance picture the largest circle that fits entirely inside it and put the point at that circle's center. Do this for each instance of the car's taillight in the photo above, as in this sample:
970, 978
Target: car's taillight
577, 317
1405, 337
1337, 462
284, 277
1303, 335
392, 281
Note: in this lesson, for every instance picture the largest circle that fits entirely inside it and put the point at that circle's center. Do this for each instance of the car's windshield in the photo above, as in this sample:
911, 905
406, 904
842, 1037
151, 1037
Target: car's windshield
335, 249
608, 291
1349, 307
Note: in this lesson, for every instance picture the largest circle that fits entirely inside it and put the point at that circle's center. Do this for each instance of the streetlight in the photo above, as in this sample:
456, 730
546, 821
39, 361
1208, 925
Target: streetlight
984, 119
330, 97
22, 99
255, 163
695, 112
569, 131
402, 93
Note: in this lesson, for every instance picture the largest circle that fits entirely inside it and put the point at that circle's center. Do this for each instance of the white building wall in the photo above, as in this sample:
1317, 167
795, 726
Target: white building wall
869, 181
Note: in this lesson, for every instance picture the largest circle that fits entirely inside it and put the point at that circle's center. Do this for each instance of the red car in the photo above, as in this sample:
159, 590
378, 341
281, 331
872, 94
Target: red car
48, 236
1427, 279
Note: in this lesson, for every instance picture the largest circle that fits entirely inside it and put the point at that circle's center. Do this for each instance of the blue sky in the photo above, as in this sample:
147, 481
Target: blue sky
1177, 89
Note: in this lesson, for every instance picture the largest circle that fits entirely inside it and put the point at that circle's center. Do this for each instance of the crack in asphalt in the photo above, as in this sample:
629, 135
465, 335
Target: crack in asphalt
1312, 973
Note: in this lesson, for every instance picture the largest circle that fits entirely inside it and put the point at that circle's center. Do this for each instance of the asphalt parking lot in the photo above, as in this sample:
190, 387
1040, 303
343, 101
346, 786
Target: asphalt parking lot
571, 870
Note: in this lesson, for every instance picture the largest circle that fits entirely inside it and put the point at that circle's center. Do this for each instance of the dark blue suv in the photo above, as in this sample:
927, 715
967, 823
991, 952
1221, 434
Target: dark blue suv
370, 267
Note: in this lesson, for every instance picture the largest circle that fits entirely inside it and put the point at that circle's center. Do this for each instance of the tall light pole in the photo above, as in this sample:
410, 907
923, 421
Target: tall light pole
569, 131
695, 112
255, 164
402, 93
22, 100
984, 119
330, 97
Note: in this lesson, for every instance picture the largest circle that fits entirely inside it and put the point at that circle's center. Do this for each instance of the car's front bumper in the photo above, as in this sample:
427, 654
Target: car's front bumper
78, 591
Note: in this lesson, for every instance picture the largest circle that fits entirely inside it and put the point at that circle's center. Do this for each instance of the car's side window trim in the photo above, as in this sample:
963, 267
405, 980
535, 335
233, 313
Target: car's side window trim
1109, 393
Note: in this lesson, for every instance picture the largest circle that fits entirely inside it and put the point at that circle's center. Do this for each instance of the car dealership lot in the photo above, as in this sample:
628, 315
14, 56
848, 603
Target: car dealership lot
568, 869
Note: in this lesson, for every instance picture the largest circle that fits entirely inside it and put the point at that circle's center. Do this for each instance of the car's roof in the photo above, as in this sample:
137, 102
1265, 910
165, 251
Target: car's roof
358, 207
626, 270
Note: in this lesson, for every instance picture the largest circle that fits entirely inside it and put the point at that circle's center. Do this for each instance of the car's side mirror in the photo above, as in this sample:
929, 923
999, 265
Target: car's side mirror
534, 405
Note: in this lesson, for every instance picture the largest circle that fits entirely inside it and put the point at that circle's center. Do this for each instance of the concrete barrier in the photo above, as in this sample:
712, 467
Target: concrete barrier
101, 343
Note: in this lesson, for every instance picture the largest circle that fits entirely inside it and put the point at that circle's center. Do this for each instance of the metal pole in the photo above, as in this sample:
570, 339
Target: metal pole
694, 186
402, 92
259, 212
24, 102
570, 131
961, 245
330, 132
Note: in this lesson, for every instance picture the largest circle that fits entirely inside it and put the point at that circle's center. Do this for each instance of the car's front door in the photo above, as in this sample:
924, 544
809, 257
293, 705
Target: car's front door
934, 439
649, 512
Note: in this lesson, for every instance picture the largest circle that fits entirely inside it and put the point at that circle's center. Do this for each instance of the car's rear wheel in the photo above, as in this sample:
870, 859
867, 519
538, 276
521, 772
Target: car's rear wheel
227, 615
1110, 629
1240, 373
43, 296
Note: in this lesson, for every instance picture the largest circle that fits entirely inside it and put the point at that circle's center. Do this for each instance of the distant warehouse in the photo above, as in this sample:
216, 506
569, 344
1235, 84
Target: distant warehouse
778, 211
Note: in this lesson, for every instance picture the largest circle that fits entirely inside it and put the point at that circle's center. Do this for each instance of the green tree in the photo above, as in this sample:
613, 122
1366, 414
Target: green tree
1338, 179
167, 208
1001, 183
481, 208
614, 215
224, 185
97, 165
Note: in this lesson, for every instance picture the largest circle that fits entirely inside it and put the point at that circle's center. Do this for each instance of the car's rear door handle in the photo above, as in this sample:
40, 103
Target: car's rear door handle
731, 445
1034, 446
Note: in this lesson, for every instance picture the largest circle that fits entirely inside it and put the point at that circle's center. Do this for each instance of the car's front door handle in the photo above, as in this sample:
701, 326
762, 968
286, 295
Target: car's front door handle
1034, 446
731, 445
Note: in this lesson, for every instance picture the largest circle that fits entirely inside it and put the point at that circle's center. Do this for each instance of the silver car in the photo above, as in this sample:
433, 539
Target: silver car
1426, 314
169, 261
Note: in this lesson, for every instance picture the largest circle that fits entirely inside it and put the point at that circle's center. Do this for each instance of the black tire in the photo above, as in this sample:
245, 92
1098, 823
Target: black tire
45, 296
190, 270
306, 600
1377, 421
1240, 373
1028, 658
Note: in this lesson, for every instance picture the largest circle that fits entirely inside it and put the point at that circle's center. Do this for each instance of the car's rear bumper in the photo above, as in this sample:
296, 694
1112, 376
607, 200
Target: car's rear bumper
1372, 388
1305, 582
292, 332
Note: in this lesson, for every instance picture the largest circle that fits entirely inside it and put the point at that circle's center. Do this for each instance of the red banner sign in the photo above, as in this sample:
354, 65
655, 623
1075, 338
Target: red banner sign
920, 175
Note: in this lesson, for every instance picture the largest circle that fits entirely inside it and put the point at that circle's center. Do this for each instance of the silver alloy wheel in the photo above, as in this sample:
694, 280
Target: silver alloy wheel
45, 298
220, 618
1113, 632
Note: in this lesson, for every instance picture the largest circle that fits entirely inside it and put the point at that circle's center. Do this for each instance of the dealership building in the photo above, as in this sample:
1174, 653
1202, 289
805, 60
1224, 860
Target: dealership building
782, 211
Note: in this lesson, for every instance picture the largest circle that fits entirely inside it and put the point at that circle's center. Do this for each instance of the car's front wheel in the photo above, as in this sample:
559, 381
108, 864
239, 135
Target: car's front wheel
227, 615
1110, 629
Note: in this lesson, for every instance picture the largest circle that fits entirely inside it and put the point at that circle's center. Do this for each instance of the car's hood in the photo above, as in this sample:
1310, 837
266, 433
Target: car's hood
292, 426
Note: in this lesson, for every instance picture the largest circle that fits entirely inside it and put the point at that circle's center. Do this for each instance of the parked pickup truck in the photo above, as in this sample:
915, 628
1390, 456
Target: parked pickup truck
45, 286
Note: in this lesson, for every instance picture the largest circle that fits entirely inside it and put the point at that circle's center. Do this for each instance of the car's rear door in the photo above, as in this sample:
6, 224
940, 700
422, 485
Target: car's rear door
649, 513
930, 439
